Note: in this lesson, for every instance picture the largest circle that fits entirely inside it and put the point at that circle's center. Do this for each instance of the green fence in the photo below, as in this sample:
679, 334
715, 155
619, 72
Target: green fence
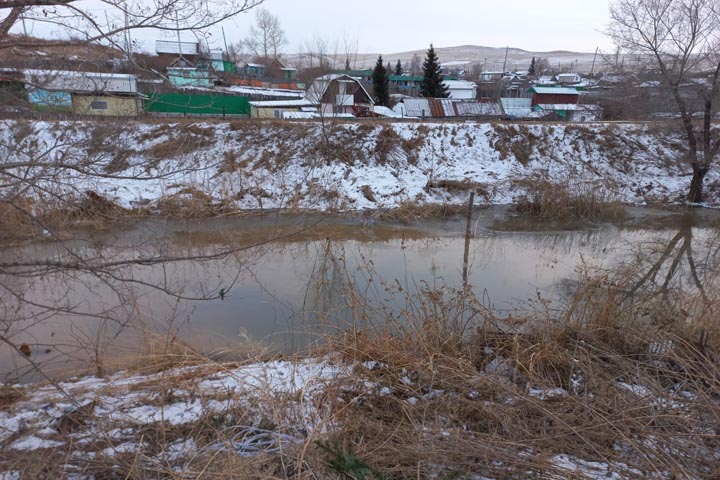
179, 103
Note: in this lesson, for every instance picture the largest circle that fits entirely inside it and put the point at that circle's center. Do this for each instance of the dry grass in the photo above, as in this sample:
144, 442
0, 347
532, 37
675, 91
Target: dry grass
188, 202
459, 186
457, 394
412, 210
9, 396
14, 224
566, 200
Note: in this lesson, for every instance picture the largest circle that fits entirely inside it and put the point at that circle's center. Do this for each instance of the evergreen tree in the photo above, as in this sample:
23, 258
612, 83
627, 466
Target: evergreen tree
398, 68
347, 63
532, 71
432, 85
381, 83
389, 68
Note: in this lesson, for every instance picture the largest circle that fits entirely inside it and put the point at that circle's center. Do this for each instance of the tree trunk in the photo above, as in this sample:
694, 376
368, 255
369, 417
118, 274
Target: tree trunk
696, 184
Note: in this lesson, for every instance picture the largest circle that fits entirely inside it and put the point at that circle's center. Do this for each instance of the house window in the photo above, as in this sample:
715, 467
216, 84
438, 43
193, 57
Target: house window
99, 105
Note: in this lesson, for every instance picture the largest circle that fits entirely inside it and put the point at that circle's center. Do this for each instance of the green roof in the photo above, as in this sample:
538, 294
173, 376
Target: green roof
406, 78
354, 73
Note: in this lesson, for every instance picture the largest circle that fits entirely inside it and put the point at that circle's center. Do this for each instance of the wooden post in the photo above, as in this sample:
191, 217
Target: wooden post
466, 257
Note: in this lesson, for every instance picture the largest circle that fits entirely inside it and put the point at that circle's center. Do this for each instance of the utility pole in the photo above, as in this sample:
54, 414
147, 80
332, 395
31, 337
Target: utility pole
22, 17
592, 70
507, 49
224, 40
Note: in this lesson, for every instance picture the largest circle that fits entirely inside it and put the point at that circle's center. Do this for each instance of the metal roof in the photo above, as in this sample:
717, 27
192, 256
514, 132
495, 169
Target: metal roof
517, 107
176, 48
480, 108
81, 82
303, 102
554, 91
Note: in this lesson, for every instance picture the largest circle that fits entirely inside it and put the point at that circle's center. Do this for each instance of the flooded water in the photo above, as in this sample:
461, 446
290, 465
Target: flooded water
230, 285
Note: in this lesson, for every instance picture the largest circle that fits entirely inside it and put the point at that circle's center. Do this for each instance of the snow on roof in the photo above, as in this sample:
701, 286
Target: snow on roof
176, 48
78, 81
302, 102
460, 84
270, 92
386, 112
480, 108
517, 107
554, 91
429, 107
568, 107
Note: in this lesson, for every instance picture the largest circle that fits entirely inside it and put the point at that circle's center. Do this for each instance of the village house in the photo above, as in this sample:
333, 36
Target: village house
406, 84
553, 96
461, 89
82, 93
568, 79
329, 95
339, 94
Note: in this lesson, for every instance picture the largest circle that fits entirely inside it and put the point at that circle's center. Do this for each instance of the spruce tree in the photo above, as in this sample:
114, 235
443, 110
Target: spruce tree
432, 85
347, 64
532, 70
381, 83
398, 68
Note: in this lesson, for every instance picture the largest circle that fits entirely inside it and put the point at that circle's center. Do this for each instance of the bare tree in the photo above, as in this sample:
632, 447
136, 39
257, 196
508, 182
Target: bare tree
82, 24
266, 37
415, 67
680, 38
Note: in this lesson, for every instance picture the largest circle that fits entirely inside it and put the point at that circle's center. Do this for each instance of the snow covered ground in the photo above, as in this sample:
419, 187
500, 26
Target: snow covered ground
260, 408
355, 166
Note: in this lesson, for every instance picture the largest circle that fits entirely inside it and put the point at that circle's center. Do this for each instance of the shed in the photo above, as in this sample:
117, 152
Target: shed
553, 95
189, 77
106, 105
461, 89
172, 47
83, 93
278, 108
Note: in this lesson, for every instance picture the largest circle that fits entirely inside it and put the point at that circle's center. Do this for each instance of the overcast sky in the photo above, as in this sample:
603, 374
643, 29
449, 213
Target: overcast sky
392, 26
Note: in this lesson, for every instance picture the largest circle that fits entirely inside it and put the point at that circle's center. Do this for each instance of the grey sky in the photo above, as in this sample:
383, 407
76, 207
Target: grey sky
391, 26
388, 26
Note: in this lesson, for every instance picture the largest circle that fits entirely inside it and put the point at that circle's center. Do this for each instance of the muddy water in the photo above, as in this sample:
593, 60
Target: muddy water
287, 280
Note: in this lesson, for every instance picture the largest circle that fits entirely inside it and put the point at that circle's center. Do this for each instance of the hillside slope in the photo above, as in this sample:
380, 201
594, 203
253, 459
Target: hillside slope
251, 165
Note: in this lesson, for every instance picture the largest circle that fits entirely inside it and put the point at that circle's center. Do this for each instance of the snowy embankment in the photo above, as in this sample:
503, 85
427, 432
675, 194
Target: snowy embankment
252, 165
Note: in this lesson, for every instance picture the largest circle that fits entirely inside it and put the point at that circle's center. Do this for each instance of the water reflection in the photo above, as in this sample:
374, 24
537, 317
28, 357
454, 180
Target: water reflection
285, 293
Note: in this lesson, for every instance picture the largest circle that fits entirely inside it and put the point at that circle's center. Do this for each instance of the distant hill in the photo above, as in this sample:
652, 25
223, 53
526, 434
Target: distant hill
489, 58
